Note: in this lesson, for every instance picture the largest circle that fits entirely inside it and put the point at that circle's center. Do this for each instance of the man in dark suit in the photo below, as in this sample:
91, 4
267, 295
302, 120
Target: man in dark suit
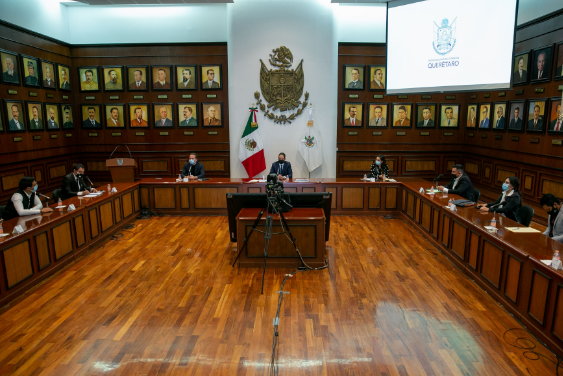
163, 121
556, 124
210, 83
35, 123
500, 121
51, 121
559, 71
460, 184
281, 167
139, 84
520, 75
73, 183
31, 79
161, 83
516, 123
485, 122
188, 121
65, 85
187, 82
68, 119
426, 122
356, 82
48, 81
193, 169
15, 124
536, 123
91, 122
11, 75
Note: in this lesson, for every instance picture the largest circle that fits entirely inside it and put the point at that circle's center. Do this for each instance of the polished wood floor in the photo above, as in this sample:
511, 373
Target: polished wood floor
164, 300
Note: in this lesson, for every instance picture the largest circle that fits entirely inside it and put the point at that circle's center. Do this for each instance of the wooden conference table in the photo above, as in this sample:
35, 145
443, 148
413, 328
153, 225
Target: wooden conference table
506, 264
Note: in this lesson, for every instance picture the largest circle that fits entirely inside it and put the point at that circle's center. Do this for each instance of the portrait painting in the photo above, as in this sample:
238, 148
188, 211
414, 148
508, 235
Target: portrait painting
15, 116
30, 71
471, 116
559, 62
52, 117
521, 68
139, 115
35, 120
186, 77
378, 113
484, 115
537, 109
541, 64
161, 77
211, 77
449, 115
114, 115
113, 78
64, 77
499, 116
212, 114
1, 120
426, 115
137, 77
377, 75
163, 115
352, 114
48, 75
555, 122
91, 116
10, 69
517, 116
402, 114
89, 78
354, 77
187, 115
68, 118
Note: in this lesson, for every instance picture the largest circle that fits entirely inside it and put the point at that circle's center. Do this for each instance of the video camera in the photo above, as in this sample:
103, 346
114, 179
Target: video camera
273, 185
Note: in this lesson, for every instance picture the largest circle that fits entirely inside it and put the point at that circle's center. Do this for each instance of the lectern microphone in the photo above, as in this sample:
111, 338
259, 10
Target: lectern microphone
118, 147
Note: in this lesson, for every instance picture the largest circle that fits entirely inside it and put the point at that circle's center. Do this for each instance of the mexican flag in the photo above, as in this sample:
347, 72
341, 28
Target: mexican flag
251, 148
310, 146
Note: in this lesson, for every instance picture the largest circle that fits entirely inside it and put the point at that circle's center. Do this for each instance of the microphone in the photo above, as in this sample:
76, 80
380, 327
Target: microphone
40, 195
91, 184
114, 151
128, 151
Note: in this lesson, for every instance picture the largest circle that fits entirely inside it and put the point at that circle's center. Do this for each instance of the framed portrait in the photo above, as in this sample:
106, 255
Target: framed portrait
517, 116
499, 116
378, 113
377, 77
484, 116
137, 78
426, 115
449, 115
472, 112
541, 64
64, 77
521, 68
91, 118
558, 75
115, 115
161, 77
113, 78
402, 113
2, 128
163, 115
35, 120
555, 124
187, 115
212, 114
352, 114
52, 116
48, 75
15, 115
211, 77
139, 115
537, 109
10, 68
67, 116
186, 77
30, 71
89, 78
354, 77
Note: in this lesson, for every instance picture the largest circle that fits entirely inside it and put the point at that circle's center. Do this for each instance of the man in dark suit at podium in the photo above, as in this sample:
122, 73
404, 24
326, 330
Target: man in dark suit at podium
193, 169
281, 167
73, 184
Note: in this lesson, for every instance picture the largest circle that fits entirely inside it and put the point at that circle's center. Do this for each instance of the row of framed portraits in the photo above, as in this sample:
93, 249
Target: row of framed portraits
532, 115
40, 116
48, 75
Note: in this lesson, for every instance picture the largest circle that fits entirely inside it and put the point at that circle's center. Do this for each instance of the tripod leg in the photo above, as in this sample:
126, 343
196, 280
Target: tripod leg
269, 224
250, 233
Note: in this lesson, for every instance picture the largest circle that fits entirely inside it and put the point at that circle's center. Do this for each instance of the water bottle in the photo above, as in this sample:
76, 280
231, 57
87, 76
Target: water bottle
60, 203
264, 177
179, 176
494, 220
556, 261
1, 228
365, 177
432, 191
109, 188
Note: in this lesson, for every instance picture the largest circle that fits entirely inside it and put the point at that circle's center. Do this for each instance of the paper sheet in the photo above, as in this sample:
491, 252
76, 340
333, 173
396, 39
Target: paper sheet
522, 229
60, 207
392, 180
90, 196
253, 181
490, 227
547, 262
2, 235
301, 180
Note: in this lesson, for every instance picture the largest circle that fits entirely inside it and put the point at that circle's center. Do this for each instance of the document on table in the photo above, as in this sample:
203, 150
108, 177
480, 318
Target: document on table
522, 229
547, 262
2, 235
91, 195
60, 207
301, 180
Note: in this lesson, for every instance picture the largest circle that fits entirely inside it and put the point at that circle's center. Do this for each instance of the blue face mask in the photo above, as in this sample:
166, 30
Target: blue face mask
34, 189
192, 161
504, 187
378, 163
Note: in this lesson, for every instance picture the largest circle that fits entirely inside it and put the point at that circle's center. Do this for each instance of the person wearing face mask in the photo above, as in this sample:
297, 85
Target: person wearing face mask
509, 201
459, 185
282, 168
379, 168
73, 183
24, 201
193, 169
552, 206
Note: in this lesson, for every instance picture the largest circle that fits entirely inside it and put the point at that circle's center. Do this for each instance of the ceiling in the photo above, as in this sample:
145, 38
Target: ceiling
151, 2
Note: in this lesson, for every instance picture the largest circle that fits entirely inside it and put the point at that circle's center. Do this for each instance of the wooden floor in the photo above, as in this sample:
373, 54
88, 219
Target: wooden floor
164, 300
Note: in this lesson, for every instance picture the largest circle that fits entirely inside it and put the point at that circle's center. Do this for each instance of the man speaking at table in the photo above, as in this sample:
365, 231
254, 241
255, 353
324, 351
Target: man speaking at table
193, 169
460, 185
282, 167
73, 184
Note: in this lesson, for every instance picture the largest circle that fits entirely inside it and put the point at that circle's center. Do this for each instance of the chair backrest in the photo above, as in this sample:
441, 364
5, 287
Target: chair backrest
526, 213
57, 193
2, 207
476, 195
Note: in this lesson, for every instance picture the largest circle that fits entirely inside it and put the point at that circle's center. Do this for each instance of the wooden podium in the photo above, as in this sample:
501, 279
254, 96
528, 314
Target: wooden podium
122, 169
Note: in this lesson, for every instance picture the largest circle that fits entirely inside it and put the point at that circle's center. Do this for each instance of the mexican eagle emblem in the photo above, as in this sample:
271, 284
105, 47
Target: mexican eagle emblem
250, 144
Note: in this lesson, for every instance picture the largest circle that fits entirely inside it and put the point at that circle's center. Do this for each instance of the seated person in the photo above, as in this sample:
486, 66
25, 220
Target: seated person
73, 183
24, 201
379, 168
193, 169
509, 201
281, 167
460, 185
552, 205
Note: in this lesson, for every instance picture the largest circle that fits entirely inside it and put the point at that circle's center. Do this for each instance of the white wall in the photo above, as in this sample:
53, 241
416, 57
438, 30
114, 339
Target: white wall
309, 30
361, 23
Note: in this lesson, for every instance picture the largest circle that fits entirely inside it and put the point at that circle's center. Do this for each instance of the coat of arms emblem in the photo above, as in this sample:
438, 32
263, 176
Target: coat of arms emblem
444, 37
119, 162
282, 88
309, 141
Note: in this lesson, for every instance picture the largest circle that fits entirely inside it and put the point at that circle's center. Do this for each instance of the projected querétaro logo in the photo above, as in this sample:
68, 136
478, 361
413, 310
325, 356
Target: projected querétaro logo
444, 37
